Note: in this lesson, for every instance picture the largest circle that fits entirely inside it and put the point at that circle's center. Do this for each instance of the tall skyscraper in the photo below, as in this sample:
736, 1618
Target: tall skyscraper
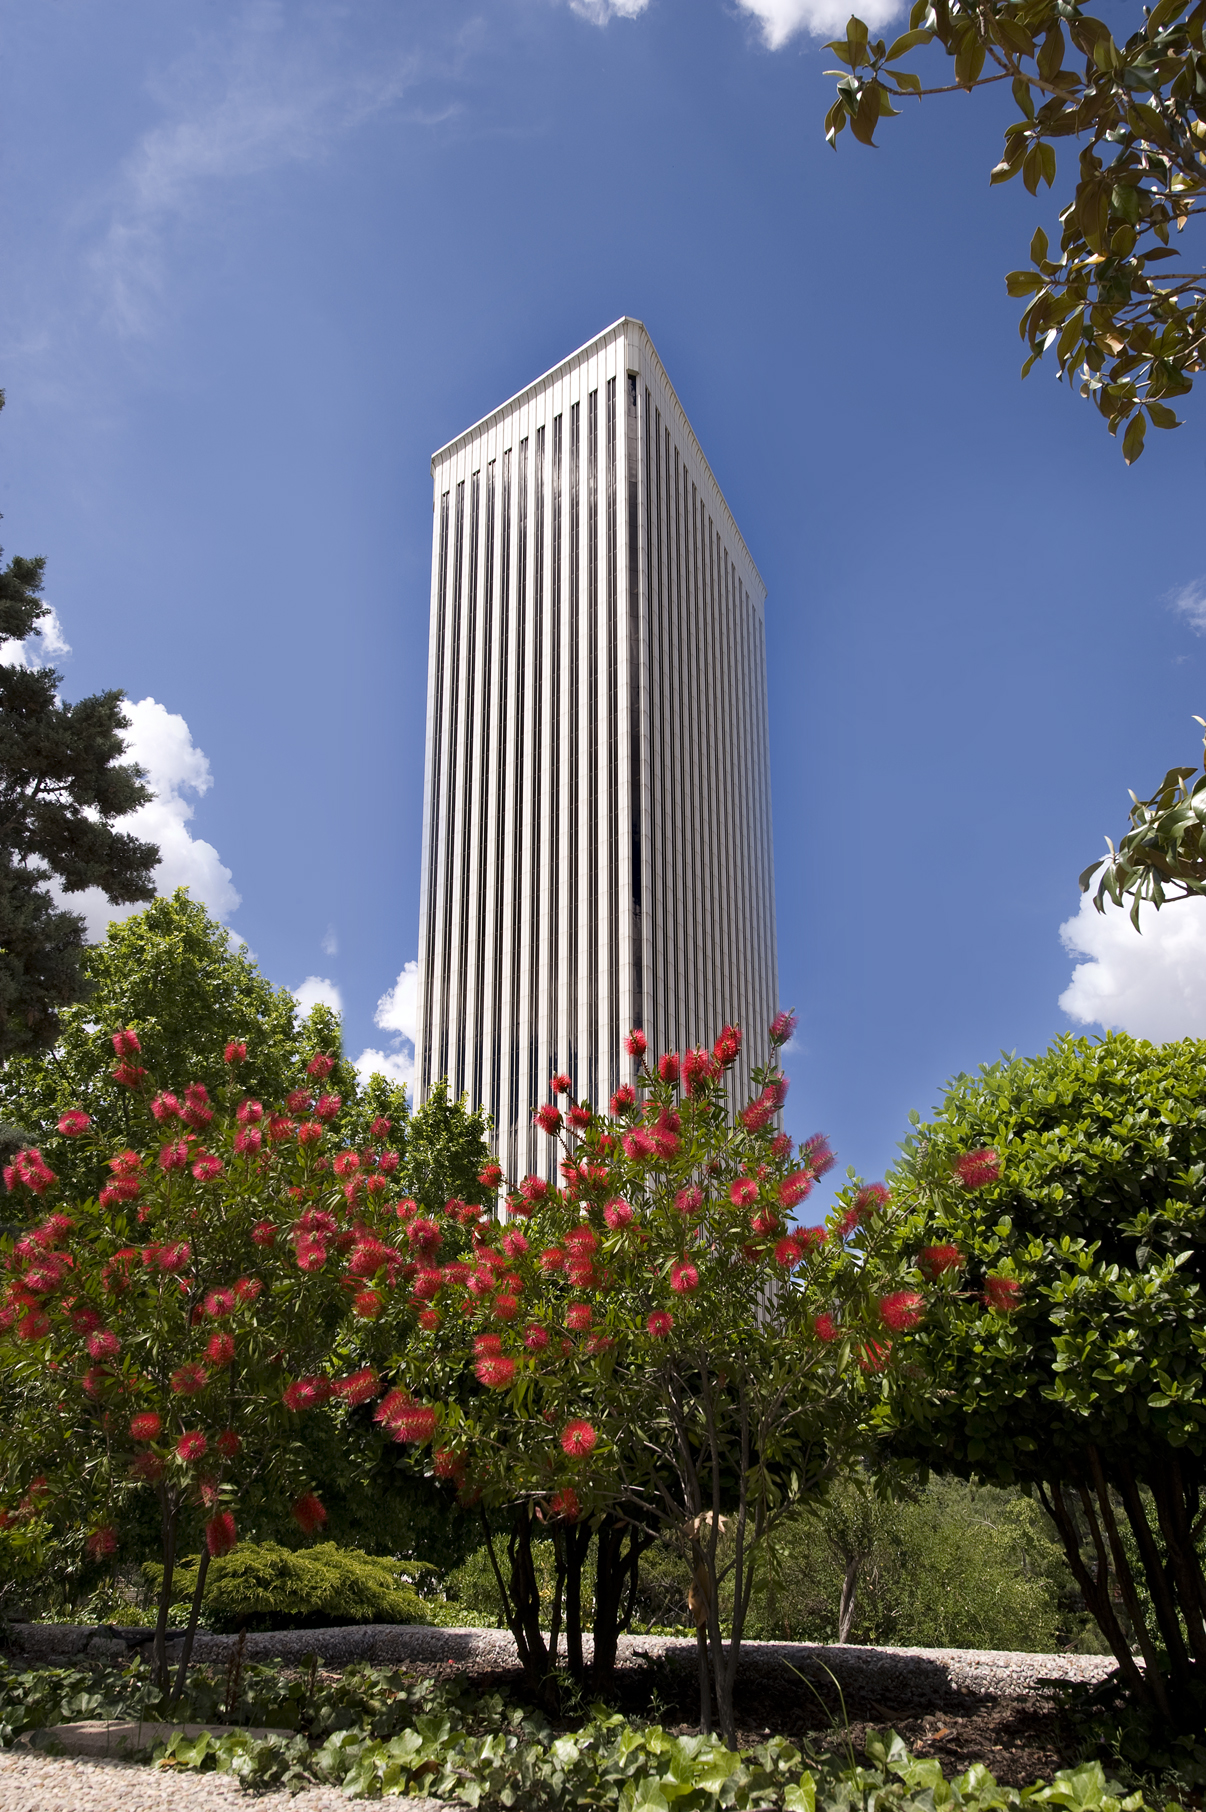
597, 813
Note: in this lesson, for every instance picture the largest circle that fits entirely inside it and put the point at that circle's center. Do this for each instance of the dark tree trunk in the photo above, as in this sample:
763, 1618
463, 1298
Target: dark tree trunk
186, 1653
616, 1573
521, 1604
577, 1545
849, 1596
169, 1512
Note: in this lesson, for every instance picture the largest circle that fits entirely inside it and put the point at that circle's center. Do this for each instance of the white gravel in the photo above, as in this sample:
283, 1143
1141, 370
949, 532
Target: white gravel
38, 1783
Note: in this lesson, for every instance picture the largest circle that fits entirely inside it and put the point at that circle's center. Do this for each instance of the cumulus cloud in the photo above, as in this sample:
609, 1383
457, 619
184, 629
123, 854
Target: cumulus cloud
600, 11
315, 991
780, 20
159, 740
46, 644
397, 1012
1153, 985
1190, 603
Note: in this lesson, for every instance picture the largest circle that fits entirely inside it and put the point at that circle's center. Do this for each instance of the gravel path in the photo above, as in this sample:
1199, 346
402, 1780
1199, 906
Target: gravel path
927, 1678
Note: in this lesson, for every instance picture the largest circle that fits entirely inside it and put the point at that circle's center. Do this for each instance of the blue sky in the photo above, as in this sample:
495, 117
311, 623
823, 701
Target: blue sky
262, 258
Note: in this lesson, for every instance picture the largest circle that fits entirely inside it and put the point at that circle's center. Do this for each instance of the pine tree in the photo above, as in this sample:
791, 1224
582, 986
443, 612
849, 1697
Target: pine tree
62, 785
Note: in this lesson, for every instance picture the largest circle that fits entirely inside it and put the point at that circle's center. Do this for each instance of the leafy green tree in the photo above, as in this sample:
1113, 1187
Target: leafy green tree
1163, 855
63, 787
445, 1150
1064, 1345
1123, 307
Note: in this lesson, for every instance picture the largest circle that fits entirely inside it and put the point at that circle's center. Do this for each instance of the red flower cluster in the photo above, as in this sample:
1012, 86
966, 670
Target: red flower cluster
976, 1169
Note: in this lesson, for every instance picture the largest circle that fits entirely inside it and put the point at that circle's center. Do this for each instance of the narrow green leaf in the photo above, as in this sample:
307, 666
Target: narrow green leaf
1038, 246
1132, 447
906, 41
1162, 416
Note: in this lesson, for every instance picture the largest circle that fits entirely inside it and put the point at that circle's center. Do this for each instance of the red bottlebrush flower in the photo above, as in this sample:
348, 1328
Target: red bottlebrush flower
189, 1378
425, 1237
514, 1243
248, 1142
699, 1070
320, 1067
103, 1345
368, 1304
220, 1533
867, 1203
1002, 1294
247, 1289
219, 1303
552, 1259
327, 1106
578, 1317
659, 1323
299, 1101
101, 1543
743, 1193
192, 1446
228, 1443
305, 1393
415, 1422
579, 1118
534, 1189
345, 1163
976, 1169
757, 1115
788, 1252
639, 1145
309, 1132
379, 1128
825, 1327
309, 1513
30, 1167
781, 1027
764, 1222
311, 1253
358, 1387
147, 1468
446, 1464
817, 1155
874, 1355
166, 1107
561, 1084
548, 1118
636, 1043
487, 1343
73, 1123
578, 1439
793, 1189
221, 1349
506, 1308
564, 1505
430, 1319
495, 1370
490, 1176
206, 1169
235, 1052
690, 1200
84, 1319
684, 1278
535, 1338
196, 1095
173, 1259
727, 1048
781, 1146
34, 1325
932, 1261
174, 1157
668, 1067
623, 1101
901, 1310
617, 1214
582, 1240
125, 1044
263, 1234
124, 1190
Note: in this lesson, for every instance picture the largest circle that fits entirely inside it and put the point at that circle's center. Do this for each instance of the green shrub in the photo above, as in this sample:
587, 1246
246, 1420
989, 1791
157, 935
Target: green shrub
262, 1586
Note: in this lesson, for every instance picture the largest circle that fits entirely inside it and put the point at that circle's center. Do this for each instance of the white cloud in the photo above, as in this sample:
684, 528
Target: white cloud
782, 19
330, 943
317, 990
257, 98
1191, 604
397, 1012
159, 740
1153, 985
600, 11
46, 644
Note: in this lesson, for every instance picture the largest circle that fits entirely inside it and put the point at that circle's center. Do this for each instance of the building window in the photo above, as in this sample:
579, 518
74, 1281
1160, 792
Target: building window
433, 833
483, 814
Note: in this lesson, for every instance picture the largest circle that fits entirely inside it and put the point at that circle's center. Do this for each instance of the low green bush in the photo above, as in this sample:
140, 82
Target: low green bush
261, 1586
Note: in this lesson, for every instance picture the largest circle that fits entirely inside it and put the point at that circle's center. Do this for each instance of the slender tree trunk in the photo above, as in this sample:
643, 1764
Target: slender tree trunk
577, 1545
1186, 1568
169, 1513
849, 1595
1094, 1587
521, 1604
186, 1653
611, 1570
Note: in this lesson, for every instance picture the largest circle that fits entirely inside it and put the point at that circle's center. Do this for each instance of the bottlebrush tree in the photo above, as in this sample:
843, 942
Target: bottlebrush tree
173, 1333
658, 1339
